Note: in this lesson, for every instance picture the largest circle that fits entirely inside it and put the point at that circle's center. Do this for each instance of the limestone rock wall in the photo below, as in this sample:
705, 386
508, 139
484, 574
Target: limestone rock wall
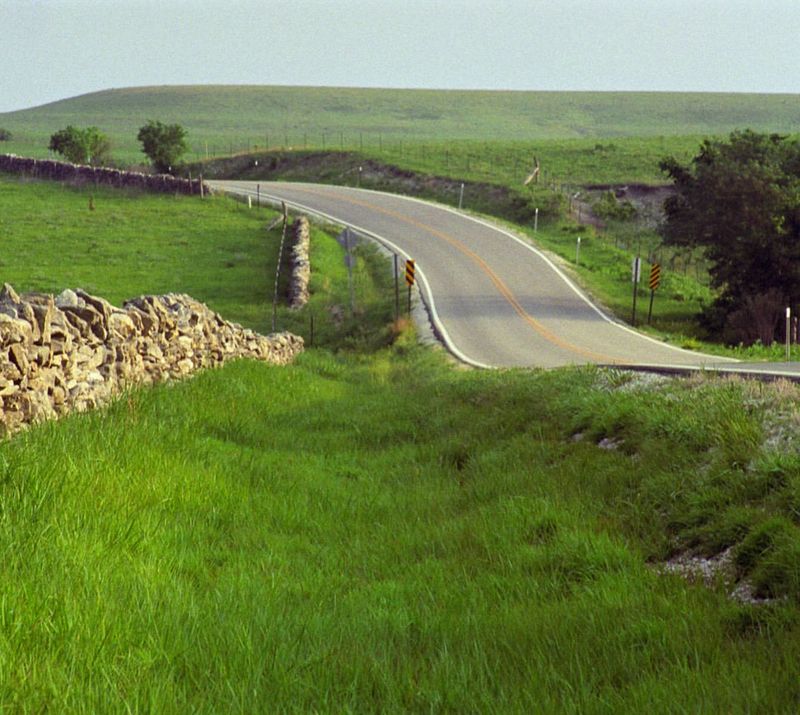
300, 263
64, 171
75, 351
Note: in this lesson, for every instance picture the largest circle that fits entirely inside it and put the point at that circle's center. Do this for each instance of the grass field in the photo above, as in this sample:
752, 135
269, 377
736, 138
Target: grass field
228, 119
388, 534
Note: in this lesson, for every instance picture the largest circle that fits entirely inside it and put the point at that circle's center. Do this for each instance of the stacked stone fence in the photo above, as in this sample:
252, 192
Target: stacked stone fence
76, 351
99, 175
300, 263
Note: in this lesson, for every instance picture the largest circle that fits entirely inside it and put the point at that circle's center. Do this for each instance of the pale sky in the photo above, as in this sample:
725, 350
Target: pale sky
53, 49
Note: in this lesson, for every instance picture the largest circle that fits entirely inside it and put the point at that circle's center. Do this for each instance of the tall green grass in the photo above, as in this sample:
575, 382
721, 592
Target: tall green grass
388, 534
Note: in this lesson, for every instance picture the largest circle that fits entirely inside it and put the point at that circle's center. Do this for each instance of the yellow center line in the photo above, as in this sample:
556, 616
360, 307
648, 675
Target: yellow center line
481, 263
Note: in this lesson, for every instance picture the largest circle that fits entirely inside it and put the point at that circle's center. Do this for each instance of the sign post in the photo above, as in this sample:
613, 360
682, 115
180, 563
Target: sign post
788, 334
636, 275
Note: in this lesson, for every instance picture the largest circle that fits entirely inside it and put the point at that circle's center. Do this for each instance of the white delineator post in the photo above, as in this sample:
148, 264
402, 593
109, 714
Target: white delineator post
788, 333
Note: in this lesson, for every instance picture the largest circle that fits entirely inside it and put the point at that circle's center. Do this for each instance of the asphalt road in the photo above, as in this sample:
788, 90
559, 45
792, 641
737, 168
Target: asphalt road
494, 299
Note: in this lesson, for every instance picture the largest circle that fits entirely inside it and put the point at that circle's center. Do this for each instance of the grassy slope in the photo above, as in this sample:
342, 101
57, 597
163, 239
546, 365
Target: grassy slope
393, 535
238, 118
621, 160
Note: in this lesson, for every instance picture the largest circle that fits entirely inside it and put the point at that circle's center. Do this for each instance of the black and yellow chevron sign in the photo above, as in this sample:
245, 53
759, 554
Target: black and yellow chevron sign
655, 276
410, 272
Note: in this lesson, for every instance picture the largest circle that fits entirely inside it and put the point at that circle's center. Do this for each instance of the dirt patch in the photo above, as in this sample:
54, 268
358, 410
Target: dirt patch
647, 200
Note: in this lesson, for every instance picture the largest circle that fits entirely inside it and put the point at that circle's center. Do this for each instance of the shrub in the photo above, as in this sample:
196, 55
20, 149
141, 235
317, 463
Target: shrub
611, 209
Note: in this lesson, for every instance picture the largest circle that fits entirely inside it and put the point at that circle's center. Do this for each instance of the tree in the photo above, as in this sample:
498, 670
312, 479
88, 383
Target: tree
81, 146
164, 144
5, 135
739, 201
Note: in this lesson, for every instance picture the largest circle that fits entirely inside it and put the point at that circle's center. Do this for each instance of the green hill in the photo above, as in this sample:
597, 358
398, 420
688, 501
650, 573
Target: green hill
223, 119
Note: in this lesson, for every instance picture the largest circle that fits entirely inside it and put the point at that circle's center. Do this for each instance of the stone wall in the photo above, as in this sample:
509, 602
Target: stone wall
75, 351
300, 263
64, 171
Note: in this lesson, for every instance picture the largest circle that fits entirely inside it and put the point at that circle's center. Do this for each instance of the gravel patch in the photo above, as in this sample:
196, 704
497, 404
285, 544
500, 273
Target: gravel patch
711, 570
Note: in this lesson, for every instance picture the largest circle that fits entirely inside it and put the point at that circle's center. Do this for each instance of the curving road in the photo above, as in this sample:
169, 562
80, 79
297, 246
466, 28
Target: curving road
494, 299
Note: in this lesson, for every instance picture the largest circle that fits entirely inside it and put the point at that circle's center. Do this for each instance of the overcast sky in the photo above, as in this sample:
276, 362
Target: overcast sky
52, 49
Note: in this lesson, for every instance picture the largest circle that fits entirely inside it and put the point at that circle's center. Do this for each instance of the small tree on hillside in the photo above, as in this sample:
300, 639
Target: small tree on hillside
81, 146
164, 144
5, 135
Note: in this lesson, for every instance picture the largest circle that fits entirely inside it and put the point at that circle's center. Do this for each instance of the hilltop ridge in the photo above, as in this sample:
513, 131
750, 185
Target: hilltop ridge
213, 112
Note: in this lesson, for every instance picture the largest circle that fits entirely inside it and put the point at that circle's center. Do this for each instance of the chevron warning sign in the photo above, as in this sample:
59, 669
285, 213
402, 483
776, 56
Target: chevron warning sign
410, 272
655, 276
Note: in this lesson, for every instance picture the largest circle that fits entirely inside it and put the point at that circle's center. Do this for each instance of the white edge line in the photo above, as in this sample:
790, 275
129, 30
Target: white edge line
427, 294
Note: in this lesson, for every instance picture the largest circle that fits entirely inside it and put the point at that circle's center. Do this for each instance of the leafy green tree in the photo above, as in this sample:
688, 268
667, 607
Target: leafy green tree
739, 201
81, 146
164, 144
5, 135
